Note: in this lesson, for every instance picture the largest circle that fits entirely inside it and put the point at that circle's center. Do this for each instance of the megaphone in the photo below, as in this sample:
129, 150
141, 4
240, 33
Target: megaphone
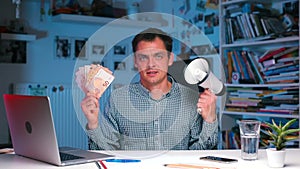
198, 72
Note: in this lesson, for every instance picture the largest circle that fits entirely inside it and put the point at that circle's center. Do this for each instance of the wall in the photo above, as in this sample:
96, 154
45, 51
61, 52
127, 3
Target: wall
42, 66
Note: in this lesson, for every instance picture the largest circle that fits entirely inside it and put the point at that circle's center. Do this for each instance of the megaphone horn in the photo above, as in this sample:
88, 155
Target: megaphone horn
198, 72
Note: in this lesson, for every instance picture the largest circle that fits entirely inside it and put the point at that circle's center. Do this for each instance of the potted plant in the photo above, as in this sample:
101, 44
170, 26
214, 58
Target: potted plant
279, 135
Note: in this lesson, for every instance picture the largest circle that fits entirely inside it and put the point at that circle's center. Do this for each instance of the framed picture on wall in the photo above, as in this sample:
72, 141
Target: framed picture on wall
62, 47
97, 50
80, 48
120, 50
119, 65
12, 51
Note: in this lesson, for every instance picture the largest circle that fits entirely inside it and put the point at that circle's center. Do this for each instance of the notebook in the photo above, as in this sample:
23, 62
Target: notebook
33, 133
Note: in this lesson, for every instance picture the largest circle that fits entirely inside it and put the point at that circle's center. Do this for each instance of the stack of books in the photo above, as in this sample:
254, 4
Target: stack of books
280, 65
266, 100
277, 65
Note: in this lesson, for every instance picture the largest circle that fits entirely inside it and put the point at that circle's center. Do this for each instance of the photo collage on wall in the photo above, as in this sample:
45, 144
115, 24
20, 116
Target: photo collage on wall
202, 14
70, 48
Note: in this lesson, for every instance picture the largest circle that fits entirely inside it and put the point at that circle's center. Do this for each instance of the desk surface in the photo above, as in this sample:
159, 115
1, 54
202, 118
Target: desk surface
157, 159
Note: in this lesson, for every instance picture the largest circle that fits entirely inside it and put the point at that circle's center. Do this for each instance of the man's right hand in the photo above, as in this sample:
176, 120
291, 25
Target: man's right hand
90, 108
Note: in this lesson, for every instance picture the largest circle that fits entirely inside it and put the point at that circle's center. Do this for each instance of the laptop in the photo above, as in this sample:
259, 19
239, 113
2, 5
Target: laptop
33, 133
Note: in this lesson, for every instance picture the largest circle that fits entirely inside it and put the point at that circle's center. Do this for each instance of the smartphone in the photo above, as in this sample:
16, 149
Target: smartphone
219, 159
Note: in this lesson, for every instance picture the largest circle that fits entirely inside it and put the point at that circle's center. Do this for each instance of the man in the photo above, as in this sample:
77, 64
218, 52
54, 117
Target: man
157, 113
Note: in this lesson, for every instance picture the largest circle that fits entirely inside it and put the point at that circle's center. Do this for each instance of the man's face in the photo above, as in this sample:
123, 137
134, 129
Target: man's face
152, 61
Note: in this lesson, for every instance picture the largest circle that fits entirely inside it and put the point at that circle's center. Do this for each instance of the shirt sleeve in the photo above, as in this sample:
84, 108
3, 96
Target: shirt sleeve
204, 135
106, 135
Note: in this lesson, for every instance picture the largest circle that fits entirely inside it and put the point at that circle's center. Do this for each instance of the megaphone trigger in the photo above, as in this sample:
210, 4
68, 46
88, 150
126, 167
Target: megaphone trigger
199, 110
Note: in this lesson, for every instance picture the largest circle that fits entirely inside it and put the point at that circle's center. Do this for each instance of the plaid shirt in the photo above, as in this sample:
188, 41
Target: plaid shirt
133, 120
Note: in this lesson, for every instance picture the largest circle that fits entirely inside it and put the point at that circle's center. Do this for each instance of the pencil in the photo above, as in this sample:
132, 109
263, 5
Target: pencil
188, 166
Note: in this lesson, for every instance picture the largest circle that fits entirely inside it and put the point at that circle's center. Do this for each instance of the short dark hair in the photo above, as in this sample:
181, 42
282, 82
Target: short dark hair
149, 35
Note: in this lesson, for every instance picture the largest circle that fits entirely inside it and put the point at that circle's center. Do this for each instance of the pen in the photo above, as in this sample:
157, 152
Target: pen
99, 167
188, 166
123, 160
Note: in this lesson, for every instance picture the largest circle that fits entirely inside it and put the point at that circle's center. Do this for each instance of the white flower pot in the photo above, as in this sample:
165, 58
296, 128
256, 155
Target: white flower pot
276, 158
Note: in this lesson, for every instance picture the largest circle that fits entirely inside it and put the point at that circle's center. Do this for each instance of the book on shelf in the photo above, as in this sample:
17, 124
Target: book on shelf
256, 67
287, 51
280, 70
237, 63
293, 75
249, 25
276, 111
270, 53
286, 97
279, 101
244, 95
276, 26
278, 65
259, 31
230, 67
294, 78
243, 102
248, 109
289, 59
231, 139
271, 93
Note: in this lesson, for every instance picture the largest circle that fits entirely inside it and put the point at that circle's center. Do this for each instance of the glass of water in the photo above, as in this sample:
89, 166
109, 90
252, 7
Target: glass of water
249, 131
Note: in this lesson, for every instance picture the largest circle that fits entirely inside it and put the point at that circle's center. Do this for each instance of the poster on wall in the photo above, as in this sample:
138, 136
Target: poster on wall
12, 51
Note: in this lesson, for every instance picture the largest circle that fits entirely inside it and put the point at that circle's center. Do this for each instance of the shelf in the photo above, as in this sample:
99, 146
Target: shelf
259, 114
263, 85
267, 42
18, 37
246, 1
103, 20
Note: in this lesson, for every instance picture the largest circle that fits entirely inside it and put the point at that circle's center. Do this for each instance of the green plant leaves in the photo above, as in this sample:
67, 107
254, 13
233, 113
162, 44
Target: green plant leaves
280, 134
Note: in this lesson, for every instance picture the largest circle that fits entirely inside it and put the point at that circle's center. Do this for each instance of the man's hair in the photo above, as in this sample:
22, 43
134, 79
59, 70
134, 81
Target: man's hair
149, 35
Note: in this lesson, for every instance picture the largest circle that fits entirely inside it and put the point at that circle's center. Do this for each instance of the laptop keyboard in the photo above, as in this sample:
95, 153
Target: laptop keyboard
66, 157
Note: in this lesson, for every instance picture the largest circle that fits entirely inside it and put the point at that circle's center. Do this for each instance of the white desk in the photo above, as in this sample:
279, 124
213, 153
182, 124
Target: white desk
157, 159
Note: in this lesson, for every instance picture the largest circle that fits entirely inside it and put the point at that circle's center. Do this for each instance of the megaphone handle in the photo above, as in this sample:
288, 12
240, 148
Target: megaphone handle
201, 89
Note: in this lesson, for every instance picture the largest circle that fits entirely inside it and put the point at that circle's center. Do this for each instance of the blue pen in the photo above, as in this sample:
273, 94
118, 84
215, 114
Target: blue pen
123, 160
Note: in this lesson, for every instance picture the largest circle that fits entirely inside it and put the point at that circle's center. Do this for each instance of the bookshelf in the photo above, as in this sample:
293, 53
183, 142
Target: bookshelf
262, 61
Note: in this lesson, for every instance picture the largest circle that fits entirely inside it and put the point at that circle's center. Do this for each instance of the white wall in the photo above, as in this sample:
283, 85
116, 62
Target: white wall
42, 66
